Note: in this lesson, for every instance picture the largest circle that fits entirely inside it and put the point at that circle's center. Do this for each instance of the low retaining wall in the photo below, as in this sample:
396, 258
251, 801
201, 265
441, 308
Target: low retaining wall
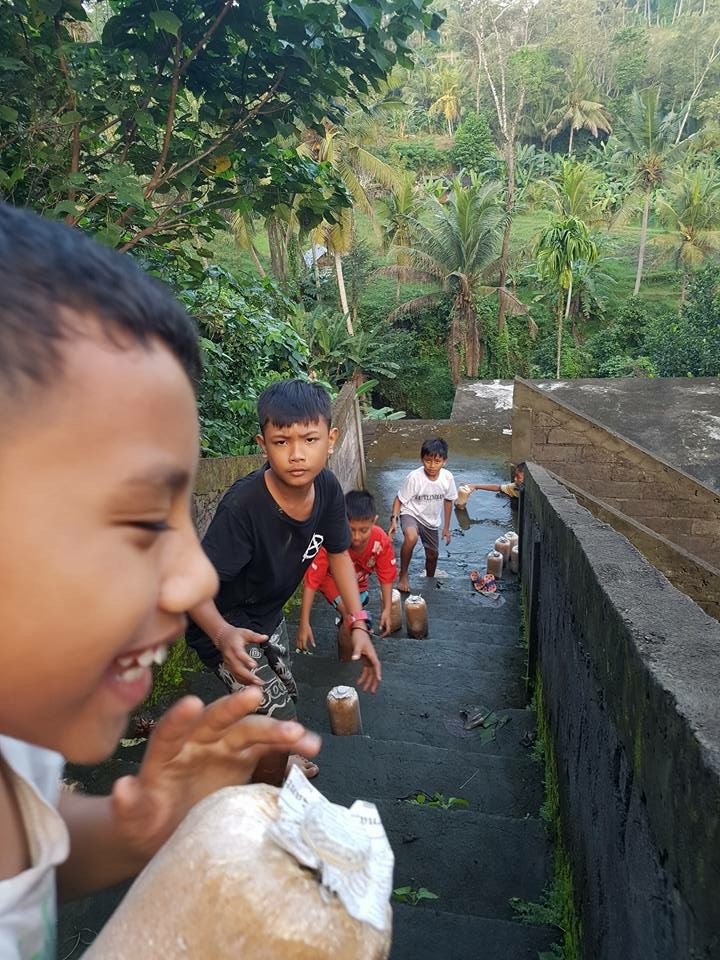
629, 673
216, 474
612, 469
699, 580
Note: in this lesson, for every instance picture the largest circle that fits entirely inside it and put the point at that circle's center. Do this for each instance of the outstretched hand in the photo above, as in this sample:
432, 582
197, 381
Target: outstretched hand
363, 649
232, 643
194, 751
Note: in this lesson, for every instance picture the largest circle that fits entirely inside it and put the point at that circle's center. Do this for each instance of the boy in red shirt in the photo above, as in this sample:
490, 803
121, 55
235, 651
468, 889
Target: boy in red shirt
371, 551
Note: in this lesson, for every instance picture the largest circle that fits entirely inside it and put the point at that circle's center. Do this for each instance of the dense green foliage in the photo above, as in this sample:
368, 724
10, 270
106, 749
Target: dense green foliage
473, 144
373, 190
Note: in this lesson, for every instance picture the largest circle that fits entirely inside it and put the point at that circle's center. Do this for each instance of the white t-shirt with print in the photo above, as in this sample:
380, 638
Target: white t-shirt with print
28, 906
422, 497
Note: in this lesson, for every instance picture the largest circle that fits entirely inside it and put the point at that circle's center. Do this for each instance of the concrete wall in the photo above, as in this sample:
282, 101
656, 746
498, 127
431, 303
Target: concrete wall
615, 471
628, 672
699, 580
216, 474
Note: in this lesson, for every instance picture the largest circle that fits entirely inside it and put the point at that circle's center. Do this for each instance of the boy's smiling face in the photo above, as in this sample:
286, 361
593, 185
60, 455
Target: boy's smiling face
99, 558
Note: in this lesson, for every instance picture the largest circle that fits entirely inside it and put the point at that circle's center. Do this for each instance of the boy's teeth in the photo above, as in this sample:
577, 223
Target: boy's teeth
145, 659
133, 673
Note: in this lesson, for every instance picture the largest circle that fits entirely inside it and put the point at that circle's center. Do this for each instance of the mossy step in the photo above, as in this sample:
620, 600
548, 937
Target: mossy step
358, 767
432, 718
475, 863
429, 934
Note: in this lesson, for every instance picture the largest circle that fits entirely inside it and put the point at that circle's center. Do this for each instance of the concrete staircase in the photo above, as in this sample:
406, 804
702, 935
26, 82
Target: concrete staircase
475, 858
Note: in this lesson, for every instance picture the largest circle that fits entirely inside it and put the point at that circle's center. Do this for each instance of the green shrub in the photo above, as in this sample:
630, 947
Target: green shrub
473, 145
421, 155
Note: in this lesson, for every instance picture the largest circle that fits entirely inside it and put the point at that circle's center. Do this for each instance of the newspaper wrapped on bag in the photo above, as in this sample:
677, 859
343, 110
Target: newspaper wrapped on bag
260, 873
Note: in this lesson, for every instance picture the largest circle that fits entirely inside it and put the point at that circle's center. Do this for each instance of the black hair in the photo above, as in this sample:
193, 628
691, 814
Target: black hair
46, 266
520, 466
293, 401
360, 505
436, 447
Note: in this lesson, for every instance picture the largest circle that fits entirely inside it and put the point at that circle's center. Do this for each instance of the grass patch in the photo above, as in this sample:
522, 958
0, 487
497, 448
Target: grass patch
169, 677
556, 907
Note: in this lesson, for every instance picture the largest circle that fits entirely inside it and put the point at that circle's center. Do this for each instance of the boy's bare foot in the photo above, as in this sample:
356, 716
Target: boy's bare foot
307, 767
404, 585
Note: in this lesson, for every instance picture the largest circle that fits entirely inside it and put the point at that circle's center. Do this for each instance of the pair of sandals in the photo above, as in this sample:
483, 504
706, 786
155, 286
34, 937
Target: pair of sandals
483, 584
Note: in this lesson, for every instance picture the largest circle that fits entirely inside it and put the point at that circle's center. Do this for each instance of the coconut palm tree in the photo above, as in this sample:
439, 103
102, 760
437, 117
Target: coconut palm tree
563, 245
356, 165
575, 192
647, 136
452, 252
577, 110
691, 210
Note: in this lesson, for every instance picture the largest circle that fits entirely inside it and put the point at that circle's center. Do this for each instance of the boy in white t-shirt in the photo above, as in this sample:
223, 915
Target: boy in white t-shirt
100, 562
423, 502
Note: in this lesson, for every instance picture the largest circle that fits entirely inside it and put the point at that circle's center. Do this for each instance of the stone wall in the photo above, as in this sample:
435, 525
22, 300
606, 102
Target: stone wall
621, 474
699, 580
628, 676
216, 474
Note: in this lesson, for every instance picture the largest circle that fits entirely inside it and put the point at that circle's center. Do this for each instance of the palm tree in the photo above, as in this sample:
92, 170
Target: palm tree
692, 212
347, 154
647, 136
575, 192
401, 209
453, 253
563, 245
448, 91
577, 111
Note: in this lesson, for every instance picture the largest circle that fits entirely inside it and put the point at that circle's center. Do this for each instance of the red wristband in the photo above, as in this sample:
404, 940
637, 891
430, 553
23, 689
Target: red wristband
351, 618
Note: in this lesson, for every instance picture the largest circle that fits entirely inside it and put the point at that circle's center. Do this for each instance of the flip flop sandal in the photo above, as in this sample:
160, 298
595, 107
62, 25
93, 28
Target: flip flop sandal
485, 584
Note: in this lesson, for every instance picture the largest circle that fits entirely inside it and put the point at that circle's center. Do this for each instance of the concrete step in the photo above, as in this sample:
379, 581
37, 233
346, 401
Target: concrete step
451, 652
358, 767
429, 934
434, 720
475, 863
413, 688
463, 605
461, 631
422, 666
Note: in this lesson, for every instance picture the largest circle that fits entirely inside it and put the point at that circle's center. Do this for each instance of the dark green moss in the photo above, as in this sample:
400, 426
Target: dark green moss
557, 905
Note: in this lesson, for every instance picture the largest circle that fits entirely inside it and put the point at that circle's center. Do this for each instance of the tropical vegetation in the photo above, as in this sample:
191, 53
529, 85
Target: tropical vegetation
401, 192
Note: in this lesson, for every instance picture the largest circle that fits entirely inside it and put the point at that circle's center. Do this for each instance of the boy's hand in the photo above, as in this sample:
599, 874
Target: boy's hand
305, 639
364, 650
231, 643
446, 535
392, 528
385, 620
193, 751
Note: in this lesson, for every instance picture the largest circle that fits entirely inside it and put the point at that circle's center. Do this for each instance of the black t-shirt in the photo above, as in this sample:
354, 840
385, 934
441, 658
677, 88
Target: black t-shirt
261, 554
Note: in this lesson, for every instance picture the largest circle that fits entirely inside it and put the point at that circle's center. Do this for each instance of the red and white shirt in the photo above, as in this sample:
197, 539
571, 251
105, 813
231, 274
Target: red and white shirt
378, 557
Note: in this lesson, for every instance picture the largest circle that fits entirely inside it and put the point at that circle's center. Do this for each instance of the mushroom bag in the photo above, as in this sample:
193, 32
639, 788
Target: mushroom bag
223, 887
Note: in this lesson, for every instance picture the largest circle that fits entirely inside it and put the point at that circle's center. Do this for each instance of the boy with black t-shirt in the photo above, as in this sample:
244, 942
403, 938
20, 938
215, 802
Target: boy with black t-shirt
265, 533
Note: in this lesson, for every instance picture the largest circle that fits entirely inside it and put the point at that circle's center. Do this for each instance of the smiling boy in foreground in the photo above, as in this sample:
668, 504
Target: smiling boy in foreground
100, 562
